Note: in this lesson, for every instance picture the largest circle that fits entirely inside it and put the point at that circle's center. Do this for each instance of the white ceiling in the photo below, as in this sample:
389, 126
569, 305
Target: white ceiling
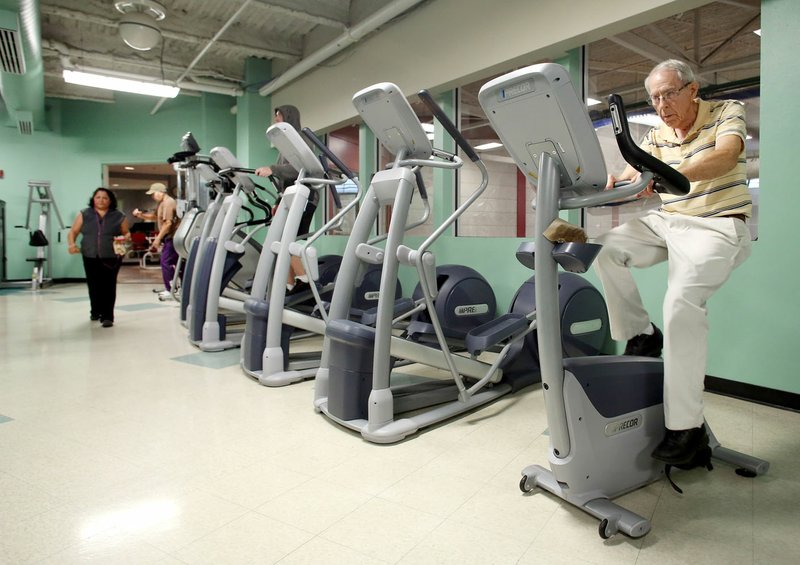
209, 40
206, 43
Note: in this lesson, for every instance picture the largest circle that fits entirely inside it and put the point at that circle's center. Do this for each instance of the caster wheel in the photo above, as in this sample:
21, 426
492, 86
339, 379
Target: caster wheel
602, 529
523, 484
742, 472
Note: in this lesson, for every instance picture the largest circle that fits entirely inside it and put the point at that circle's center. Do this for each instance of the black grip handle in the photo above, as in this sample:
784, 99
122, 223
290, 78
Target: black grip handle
189, 143
423, 192
328, 153
666, 178
337, 201
439, 114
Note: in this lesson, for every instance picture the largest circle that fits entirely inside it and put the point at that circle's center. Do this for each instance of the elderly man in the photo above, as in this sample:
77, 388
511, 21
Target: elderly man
167, 220
702, 235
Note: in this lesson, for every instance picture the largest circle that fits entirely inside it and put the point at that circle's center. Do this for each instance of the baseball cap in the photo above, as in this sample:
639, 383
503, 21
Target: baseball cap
157, 187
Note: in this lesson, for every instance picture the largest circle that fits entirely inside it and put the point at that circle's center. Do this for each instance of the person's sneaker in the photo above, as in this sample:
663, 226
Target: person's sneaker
94, 317
107, 323
299, 288
164, 295
679, 447
644, 345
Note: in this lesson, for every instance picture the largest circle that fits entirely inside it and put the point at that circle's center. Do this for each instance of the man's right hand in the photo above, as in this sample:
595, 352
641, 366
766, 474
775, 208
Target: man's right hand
646, 193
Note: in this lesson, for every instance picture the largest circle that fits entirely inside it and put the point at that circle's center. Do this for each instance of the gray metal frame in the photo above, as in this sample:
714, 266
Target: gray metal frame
388, 114
221, 218
277, 252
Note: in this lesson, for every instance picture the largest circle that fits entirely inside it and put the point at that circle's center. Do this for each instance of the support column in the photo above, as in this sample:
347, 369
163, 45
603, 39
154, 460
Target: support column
254, 116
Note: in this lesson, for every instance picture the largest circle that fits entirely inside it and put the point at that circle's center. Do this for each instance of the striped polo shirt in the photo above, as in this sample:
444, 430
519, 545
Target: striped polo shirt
722, 196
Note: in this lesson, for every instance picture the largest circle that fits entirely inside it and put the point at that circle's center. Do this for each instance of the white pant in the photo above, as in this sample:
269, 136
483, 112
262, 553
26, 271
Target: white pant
702, 252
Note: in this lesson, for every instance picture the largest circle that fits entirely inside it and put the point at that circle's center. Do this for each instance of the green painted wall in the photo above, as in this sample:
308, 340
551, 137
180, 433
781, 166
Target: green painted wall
753, 317
753, 335
86, 135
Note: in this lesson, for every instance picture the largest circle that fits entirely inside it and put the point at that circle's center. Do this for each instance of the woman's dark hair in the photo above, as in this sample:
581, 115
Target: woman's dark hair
111, 197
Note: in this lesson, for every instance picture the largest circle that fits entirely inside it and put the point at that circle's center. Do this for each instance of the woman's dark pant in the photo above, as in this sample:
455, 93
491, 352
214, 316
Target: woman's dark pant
101, 278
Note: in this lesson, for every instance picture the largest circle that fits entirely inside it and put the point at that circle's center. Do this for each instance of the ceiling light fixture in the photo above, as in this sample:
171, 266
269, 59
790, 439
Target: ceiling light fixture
138, 27
120, 84
593, 101
648, 119
488, 146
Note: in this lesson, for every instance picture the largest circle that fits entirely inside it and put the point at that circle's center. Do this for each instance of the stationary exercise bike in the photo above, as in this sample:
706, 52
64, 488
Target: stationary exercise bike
605, 414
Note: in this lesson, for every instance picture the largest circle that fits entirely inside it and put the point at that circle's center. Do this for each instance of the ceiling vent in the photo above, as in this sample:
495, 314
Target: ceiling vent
12, 59
25, 122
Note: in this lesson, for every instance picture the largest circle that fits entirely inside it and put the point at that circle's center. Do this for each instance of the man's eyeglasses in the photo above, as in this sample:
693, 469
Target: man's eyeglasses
667, 96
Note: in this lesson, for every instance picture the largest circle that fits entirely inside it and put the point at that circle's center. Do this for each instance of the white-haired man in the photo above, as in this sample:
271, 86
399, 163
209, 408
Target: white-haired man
703, 235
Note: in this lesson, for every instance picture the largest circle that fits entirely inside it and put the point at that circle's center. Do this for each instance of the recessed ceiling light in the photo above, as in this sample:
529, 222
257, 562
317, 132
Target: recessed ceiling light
645, 119
129, 168
487, 146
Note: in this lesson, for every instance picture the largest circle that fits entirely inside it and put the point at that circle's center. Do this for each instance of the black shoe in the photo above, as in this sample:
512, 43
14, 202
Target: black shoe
94, 317
108, 323
299, 287
645, 345
681, 447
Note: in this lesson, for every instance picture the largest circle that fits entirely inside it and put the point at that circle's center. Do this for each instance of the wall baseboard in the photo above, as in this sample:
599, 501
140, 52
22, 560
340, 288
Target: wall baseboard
754, 393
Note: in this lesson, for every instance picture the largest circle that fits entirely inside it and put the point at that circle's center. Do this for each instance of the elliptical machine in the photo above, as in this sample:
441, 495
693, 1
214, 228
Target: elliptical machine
357, 386
605, 414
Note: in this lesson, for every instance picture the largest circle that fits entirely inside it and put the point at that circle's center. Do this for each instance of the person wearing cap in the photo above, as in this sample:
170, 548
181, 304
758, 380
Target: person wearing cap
166, 216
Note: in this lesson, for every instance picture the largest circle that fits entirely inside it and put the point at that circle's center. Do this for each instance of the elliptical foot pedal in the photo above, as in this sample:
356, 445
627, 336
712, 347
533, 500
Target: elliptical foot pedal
576, 257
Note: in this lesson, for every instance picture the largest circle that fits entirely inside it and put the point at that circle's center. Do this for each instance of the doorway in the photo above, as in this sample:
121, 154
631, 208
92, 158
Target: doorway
130, 183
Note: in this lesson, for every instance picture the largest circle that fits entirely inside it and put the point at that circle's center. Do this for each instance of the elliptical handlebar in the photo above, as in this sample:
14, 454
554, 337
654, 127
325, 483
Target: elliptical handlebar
328, 153
423, 192
439, 114
666, 178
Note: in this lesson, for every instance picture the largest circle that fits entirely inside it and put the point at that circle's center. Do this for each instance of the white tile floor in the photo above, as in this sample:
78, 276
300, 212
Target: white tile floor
112, 451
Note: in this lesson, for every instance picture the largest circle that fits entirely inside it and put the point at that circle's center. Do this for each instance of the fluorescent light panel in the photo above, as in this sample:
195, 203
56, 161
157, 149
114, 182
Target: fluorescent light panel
487, 146
651, 120
121, 84
593, 101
